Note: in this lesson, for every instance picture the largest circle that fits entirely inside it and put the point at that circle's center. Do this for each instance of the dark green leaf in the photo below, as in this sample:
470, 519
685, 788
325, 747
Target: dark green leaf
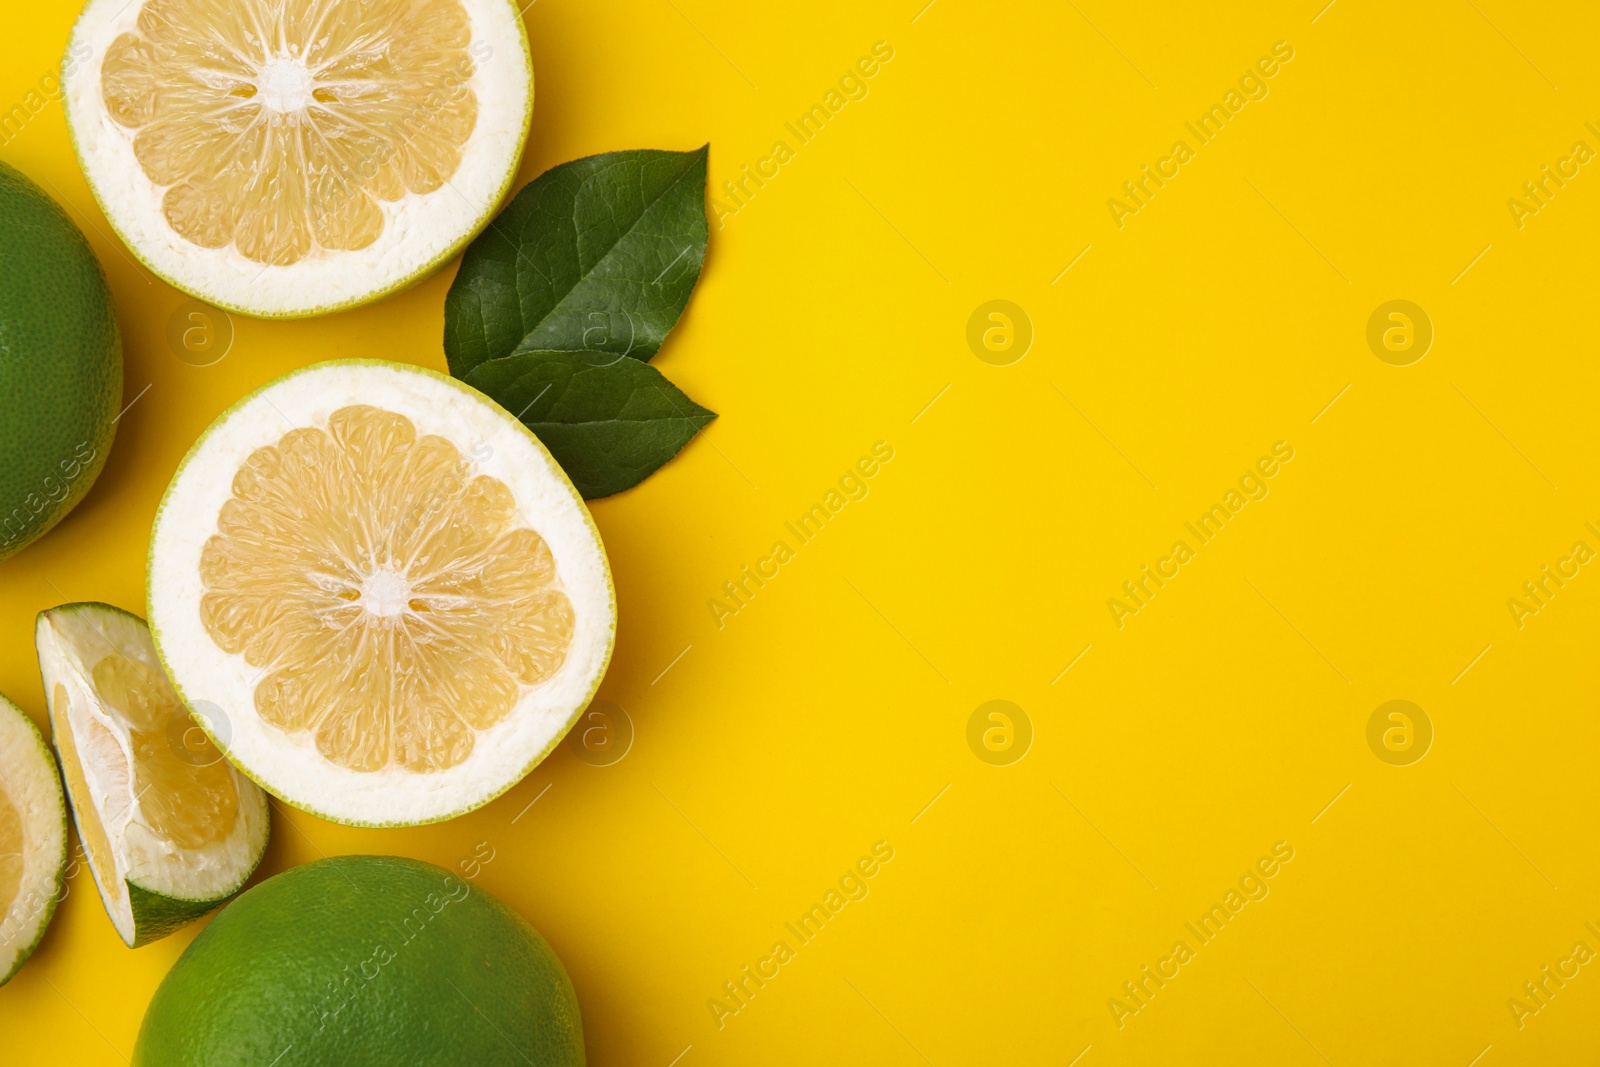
608, 420
599, 254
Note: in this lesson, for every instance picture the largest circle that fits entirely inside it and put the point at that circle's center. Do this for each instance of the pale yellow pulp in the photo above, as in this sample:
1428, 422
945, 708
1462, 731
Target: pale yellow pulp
277, 126
392, 599
12, 842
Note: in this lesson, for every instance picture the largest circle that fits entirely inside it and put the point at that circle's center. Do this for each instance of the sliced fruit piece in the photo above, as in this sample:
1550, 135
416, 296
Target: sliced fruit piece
387, 585
291, 157
171, 830
33, 838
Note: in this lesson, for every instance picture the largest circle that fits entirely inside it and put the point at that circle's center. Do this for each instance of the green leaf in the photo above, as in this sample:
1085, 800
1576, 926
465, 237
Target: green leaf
608, 420
599, 254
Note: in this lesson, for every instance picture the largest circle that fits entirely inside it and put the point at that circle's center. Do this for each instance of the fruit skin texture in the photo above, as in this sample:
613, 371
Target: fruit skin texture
60, 363
319, 957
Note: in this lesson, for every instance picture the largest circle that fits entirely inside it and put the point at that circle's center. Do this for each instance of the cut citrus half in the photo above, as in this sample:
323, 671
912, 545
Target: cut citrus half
290, 157
33, 838
169, 827
385, 585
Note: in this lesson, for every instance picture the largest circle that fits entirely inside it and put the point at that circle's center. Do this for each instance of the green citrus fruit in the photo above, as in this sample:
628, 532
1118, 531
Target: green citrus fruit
364, 960
60, 363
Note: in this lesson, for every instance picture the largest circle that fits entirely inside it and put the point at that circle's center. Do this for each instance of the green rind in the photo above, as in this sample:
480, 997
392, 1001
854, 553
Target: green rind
364, 960
60, 885
421, 273
155, 915
60, 363
611, 590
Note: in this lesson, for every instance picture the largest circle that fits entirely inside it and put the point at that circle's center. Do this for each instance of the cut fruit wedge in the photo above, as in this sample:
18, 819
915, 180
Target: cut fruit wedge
170, 829
292, 157
33, 838
387, 589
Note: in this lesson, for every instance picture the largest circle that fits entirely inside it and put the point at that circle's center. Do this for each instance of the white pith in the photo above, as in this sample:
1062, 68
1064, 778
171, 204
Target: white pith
420, 231
28, 777
289, 765
70, 641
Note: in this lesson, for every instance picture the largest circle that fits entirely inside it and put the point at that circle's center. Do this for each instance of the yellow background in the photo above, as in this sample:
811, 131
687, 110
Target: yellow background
828, 713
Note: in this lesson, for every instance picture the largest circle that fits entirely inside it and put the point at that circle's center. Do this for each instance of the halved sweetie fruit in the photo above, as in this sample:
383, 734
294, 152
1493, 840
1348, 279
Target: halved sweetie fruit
170, 829
33, 838
285, 158
387, 589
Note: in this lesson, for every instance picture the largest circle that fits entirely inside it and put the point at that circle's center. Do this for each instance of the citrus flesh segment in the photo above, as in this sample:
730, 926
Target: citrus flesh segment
389, 592
12, 842
33, 838
277, 127
169, 828
188, 791
399, 600
304, 146
91, 828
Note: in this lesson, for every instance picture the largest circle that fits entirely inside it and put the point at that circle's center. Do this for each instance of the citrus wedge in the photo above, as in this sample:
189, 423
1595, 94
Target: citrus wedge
284, 158
33, 838
386, 589
170, 829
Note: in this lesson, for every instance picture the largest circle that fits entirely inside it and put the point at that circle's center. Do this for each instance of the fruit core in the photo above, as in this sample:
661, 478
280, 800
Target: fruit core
285, 84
